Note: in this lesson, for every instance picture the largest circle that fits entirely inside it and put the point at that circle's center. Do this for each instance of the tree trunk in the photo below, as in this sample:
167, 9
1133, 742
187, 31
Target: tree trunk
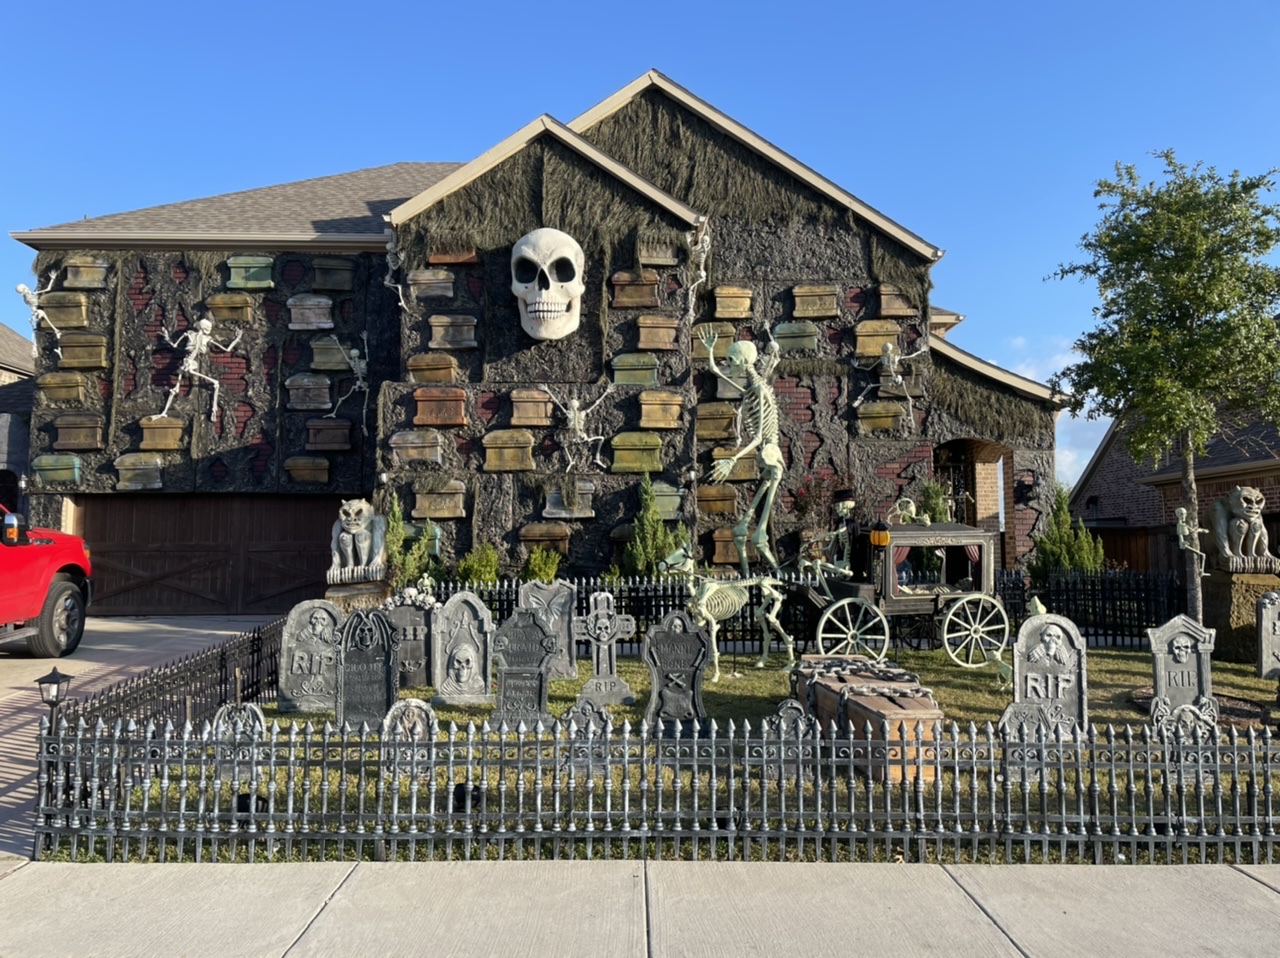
1195, 603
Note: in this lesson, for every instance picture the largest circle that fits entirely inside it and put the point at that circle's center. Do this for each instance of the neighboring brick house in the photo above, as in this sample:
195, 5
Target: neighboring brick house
16, 394
1131, 504
684, 218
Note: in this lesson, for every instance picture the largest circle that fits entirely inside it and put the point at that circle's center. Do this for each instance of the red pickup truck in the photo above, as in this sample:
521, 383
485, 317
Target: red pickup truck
44, 586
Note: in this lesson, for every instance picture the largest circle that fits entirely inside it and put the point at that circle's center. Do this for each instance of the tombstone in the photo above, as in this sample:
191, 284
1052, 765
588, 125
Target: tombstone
1183, 701
413, 633
408, 731
461, 660
677, 653
1050, 685
603, 627
554, 604
1269, 635
366, 668
309, 658
523, 648
588, 744
233, 730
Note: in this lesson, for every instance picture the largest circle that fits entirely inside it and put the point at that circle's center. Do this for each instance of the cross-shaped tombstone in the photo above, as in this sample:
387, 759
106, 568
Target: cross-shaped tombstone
603, 627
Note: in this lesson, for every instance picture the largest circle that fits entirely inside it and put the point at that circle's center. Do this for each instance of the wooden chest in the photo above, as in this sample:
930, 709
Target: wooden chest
250, 272
816, 302
635, 289
635, 369
452, 332
163, 433
733, 302
310, 311
548, 535
328, 435
333, 272
64, 310
660, 409
307, 468
724, 339
716, 420
83, 351
230, 307
440, 406
796, 337
726, 550
308, 391
418, 445
431, 283
85, 272
78, 431
62, 387
530, 407
658, 332
139, 471
432, 368
508, 450
444, 503
636, 452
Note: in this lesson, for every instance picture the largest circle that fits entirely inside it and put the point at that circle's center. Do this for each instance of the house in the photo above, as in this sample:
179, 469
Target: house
16, 392
1131, 504
389, 330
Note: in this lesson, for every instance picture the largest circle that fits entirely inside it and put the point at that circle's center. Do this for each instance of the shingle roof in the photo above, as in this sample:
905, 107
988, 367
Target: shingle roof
347, 204
15, 352
18, 398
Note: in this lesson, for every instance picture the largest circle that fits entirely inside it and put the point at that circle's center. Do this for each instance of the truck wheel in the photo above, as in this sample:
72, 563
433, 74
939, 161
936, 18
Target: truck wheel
61, 622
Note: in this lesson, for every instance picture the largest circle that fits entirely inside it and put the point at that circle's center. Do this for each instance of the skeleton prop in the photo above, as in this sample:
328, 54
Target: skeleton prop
199, 339
576, 422
711, 601
891, 374
1189, 538
32, 299
360, 369
394, 261
759, 414
547, 278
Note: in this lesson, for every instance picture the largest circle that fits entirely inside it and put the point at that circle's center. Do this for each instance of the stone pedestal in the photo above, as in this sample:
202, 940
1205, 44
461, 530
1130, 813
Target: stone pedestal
358, 595
1230, 607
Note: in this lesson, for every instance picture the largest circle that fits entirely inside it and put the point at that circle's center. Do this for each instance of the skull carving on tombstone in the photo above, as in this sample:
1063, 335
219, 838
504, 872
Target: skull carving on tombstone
547, 278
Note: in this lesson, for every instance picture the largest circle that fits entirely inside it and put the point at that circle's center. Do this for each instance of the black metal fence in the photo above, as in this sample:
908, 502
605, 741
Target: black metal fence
190, 689
1109, 608
777, 791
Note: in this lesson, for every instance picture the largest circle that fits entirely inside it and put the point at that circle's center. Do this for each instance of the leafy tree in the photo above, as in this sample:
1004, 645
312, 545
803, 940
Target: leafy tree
1064, 545
651, 540
408, 560
1185, 337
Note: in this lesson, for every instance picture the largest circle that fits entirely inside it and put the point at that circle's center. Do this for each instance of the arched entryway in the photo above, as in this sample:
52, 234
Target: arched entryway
9, 490
980, 475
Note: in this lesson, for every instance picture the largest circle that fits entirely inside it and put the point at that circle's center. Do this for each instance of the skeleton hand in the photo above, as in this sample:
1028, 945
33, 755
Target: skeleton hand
232, 345
708, 336
721, 469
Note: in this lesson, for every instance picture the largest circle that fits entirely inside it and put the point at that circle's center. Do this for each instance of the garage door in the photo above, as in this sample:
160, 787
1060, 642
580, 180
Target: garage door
203, 555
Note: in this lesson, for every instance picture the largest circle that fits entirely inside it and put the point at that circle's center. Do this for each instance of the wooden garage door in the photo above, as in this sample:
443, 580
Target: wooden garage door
228, 555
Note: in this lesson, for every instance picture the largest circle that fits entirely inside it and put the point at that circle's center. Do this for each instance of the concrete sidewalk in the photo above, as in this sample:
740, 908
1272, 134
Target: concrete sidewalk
113, 649
661, 909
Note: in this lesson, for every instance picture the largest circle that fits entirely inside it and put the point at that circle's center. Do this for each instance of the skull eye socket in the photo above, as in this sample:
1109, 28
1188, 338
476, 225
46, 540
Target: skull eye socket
524, 270
564, 270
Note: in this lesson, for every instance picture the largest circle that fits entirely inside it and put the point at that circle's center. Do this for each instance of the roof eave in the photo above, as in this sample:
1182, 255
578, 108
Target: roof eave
1027, 387
760, 145
519, 140
1261, 467
125, 239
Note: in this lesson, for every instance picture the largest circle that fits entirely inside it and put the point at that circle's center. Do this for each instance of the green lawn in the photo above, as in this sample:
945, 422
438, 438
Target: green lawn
964, 695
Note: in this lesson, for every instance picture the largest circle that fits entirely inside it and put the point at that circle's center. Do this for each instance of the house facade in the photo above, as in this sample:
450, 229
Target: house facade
384, 331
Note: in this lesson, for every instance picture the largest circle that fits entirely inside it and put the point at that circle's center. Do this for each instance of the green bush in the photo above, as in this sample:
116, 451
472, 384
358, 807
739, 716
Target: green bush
1064, 545
541, 566
651, 540
479, 565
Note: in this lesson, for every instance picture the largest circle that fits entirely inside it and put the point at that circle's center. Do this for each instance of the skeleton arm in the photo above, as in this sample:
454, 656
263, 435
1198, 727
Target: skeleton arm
230, 346
552, 396
53, 275
772, 356
709, 338
590, 409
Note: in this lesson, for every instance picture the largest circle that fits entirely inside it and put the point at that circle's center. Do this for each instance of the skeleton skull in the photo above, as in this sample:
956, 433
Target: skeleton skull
546, 277
1180, 647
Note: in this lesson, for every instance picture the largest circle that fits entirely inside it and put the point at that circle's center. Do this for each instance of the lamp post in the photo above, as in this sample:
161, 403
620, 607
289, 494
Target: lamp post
880, 539
53, 690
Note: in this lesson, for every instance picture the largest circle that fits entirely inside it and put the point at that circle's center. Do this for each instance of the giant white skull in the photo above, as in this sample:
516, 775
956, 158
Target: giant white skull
546, 277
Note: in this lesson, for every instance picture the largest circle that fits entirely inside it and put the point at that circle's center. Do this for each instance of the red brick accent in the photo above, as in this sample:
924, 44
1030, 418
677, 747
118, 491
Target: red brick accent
293, 272
217, 422
104, 387
548, 447
464, 446
292, 352
812, 442
218, 470
128, 376
784, 443
475, 286
139, 295
230, 370
347, 309
243, 413
895, 468
273, 310
179, 272
269, 362
673, 284
855, 298
262, 450
793, 399
487, 405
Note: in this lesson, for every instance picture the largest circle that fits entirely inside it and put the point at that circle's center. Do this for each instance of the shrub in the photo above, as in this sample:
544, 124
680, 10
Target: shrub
651, 540
479, 565
1064, 545
541, 566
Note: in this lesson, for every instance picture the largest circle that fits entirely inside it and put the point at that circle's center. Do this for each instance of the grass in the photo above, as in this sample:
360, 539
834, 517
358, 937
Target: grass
965, 695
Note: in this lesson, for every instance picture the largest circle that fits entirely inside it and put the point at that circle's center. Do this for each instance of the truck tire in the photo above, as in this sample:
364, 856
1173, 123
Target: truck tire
61, 622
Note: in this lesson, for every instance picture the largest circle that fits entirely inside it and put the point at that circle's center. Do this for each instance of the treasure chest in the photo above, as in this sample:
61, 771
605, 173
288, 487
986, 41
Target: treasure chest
816, 302
658, 332
726, 550
530, 407
62, 387
61, 467
230, 307
733, 302
83, 351
508, 450
796, 337
310, 311
716, 499
64, 310
431, 283
307, 468
418, 445
333, 272
716, 420
78, 431
638, 288
547, 535
660, 409
85, 272
308, 391
432, 368
440, 406
635, 369
443, 503
636, 452
452, 332
328, 435
160, 433
138, 471
250, 272
725, 332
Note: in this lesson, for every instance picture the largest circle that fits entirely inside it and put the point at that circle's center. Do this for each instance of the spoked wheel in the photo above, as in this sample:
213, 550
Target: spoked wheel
972, 627
853, 627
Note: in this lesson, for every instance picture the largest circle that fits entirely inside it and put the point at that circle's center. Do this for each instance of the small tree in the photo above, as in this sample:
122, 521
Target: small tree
1064, 545
480, 564
541, 566
651, 540
1185, 333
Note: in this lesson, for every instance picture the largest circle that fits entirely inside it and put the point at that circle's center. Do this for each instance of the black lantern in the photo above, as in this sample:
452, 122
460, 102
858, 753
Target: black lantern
880, 535
53, 690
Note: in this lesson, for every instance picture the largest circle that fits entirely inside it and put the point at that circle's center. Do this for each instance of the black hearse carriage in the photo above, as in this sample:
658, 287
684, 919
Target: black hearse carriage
943, 573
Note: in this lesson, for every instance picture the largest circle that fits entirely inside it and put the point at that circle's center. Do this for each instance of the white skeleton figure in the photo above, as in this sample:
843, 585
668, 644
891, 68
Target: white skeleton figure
576, 422
393, 263
360, 369
891, 362
759, 414
711, 601
32, 299
201, 339
1189, 538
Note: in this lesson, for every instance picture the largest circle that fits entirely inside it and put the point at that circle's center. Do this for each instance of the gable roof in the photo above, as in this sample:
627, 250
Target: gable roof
15, 352
1027, 387
543, 126
781, 159
333, 212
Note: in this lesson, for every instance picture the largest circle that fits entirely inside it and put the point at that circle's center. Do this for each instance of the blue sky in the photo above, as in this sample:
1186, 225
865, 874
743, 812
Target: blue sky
979, 126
